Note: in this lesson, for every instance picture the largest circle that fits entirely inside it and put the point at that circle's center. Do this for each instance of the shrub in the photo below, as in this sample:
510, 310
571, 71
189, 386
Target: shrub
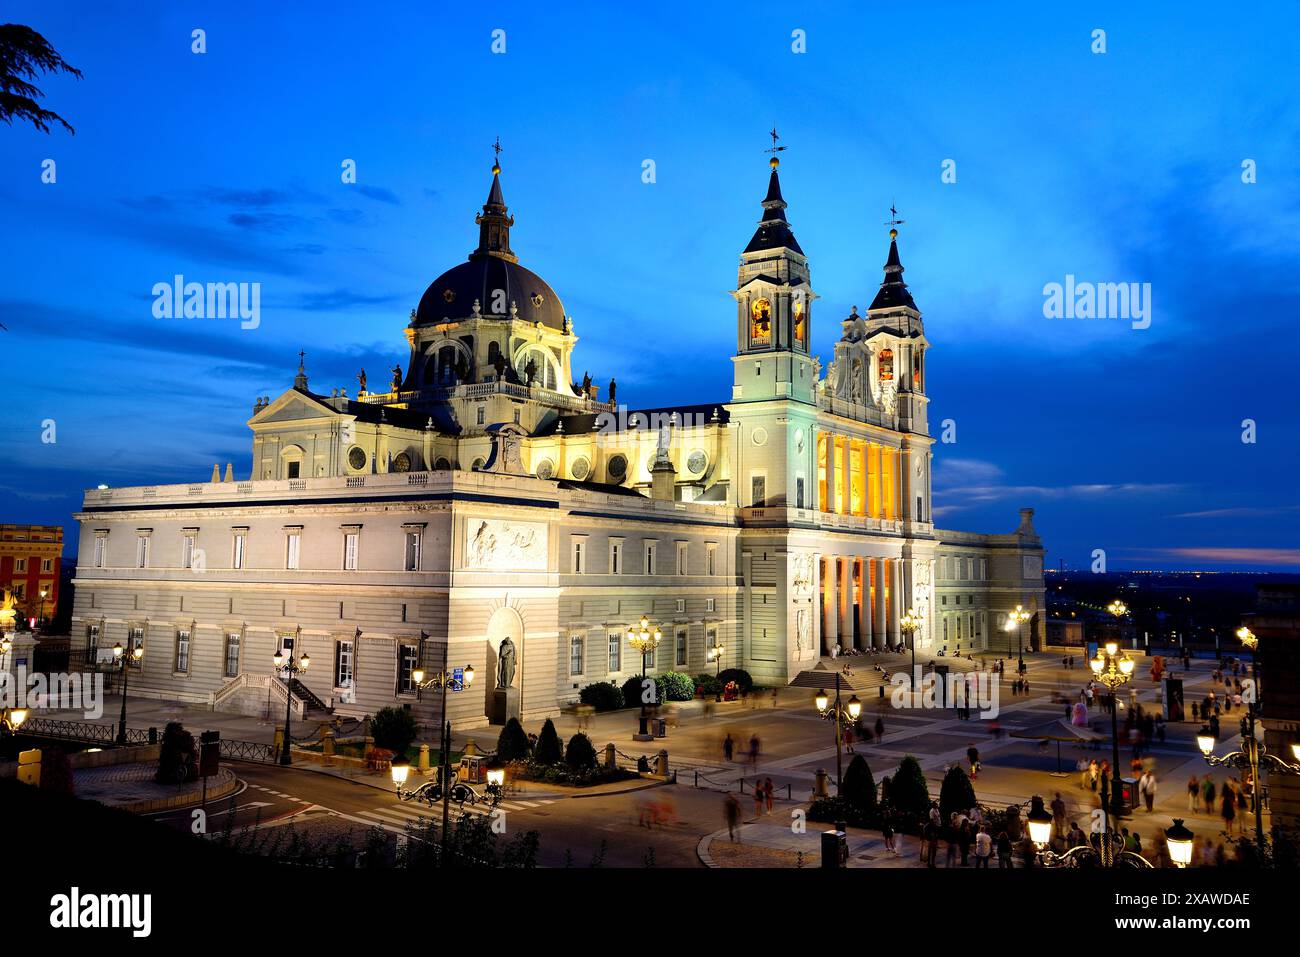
394, 729
634, 688
178, 759
859, 791
908, 793
512, 743
707, 685
677, 686
740, 676
833, 809
580, 755
602, 696
956, 793
548, 749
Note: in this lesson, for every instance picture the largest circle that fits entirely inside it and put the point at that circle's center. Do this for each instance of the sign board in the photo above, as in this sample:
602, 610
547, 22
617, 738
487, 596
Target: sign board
29, 767
457, 679
209, 753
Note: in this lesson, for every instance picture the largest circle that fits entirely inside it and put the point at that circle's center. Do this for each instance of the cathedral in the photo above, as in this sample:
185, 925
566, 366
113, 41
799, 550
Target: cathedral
482, 507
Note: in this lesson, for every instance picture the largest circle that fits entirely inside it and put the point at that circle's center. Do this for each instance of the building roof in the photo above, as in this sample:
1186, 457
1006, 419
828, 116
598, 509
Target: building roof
773, 231
893, 292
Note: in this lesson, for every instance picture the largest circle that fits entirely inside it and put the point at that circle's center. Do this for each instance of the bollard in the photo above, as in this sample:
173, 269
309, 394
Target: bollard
661, 764
611, 756
789, 795
820, 789
327, 745
278, 744
697, 778
470, 747
422, 764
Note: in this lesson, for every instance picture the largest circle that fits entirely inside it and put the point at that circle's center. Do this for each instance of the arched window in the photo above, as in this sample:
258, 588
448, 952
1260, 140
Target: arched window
540, 364
800, 323
760, 321
886, 364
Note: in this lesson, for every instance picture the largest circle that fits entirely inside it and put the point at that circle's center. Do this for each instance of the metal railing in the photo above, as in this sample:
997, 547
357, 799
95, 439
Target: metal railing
84, 731
233, 750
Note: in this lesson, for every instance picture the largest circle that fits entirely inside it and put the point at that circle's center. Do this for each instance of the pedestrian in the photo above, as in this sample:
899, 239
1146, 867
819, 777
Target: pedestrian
1084, 774
1149, 791
1094, 772
973, 756
758, 799
728, 746
1228, 808
1193, 793
880, 730
753, 752
930, 842
887, 832
769, 793
1004, 850
732, 810
983, 847
1058, 814
950, 835
965, 837
1207, 792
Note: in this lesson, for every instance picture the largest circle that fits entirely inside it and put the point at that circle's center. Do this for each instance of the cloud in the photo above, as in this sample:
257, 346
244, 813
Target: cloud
379, 194
342, 299
1283, 557
1242, 512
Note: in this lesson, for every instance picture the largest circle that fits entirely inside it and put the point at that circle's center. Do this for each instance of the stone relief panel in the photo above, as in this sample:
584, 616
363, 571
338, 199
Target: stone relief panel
801, 573
922, 575
505, 545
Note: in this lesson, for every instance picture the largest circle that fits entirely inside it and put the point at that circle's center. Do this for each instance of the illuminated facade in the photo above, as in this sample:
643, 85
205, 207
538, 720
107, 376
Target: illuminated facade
482, 494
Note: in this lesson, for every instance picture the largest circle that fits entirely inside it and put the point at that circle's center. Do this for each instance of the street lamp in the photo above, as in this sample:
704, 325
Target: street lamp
1254, 757
1179, 840
909, 625
125, 662
12, 718
715, 655
644, 640
44, 594
1114, 670
1016, 619
289, 667
400, 769
444, 682
1109, 852
842, 715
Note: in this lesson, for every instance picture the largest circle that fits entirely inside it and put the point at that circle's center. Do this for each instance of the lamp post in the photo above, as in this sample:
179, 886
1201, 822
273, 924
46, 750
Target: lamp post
11, 719
1040, 832
44, 594
644, 640
909, 625
444, 682
1016, 619
715, 655
1179, 840
1113, 669
841, 715
1253, 756
289, 667
400, 768
125, 661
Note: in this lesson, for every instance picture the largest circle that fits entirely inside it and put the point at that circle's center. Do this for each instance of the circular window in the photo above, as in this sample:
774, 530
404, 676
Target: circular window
357, 458
442, 465
760, 436
545, 469
696, 462
580, 468
618, 467
402, 463
476, 465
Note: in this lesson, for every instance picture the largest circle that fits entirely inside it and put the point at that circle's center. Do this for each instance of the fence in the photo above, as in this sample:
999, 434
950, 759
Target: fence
84, 731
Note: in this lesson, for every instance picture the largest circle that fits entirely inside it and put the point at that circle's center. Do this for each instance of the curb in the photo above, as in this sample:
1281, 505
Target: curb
230, 782
702, 851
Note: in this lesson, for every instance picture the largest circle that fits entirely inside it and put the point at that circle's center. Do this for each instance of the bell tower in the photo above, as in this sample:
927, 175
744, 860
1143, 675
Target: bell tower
773, 307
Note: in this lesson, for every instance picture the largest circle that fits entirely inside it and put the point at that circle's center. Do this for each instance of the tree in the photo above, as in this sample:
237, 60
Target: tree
178, 756
580, 755
859, 790
908, 792
512, 743
25, 55
956, 793
394, 729
548, 749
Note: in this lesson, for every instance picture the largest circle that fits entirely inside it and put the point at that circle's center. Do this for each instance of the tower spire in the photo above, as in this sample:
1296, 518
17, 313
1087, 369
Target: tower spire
773, 230
893, 292
495, 221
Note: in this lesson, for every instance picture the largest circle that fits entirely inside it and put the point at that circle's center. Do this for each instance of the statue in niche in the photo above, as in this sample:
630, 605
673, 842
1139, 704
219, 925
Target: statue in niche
506, 664
530, 371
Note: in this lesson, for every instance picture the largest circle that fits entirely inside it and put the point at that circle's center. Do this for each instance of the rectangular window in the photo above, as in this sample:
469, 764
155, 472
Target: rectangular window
294, 469
237, 551
681, 605
232, 654
141, 552
350, 550
798, 492
343, 651
920, 509
482, 415
680, 656
712, 554
710, 603
187, 551
134, 639
650, 548
413, 551
616, 651
682, 565
757, 490
616, 558
92, 644
408, 657
20, 564
287, 642
575, 655
292, 549
47, 564
183, 650
101, 549
984, 569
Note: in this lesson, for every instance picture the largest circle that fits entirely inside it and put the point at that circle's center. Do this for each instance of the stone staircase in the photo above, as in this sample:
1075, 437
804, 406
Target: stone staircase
864, 678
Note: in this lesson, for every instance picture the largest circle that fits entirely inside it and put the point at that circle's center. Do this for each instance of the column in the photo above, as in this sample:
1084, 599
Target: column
846, 602
882, 632
865, 613
829, 504
900, 503
866, 481
882, 463
908, 512
831, 614
895, 578
846, 478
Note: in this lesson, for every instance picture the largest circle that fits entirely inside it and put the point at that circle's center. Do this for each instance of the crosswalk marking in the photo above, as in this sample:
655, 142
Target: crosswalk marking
406, 813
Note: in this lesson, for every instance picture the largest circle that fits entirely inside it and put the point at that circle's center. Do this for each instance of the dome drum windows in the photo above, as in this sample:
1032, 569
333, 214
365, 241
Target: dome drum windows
760, 322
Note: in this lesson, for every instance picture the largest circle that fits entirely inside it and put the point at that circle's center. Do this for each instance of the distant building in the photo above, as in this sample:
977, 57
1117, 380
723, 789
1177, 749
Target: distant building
31, 558
1065, 632
1276, 623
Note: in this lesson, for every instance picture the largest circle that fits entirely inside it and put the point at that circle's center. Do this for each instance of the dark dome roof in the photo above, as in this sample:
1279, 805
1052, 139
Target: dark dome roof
452, 295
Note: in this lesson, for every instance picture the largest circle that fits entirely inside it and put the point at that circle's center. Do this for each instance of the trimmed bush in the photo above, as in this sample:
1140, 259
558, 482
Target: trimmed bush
548, 749
677, 686
860, 788
908, 793
956, 793
512, 743
394, 729
580, 755
178, 759
740, 676
707, 685
602, 696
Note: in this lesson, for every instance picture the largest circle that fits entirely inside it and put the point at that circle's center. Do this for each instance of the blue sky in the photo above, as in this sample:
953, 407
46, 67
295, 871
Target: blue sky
1117, 167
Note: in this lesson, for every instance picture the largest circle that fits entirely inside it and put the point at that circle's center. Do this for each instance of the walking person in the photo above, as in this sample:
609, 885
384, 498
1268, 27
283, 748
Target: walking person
973, 756
728, 746
1228, 808
983, 847
758, 799
1004, 850
769, 794
887, 832
880, 730
1194, 793
731, 810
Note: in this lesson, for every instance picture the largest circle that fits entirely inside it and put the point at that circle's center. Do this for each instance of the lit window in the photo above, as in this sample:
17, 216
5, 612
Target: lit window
886, 364
760, 322
183, 650
616, 651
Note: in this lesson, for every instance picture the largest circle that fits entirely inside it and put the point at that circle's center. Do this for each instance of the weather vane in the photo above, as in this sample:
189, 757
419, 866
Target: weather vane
893, 216
775, 149
496, 147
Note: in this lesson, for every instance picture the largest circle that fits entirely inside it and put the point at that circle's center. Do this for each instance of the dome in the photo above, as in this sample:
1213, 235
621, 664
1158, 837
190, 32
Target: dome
451, 296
